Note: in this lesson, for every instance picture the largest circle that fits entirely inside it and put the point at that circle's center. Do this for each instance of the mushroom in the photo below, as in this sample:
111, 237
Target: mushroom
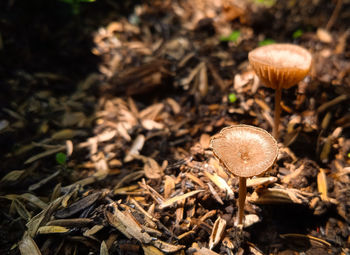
246, 151
280, 66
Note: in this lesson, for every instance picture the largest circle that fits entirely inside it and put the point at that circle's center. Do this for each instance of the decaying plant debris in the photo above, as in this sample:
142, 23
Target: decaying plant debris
139, 176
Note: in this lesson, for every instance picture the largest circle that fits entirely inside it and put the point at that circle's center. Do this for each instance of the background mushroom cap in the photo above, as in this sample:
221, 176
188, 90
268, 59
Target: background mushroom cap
245, 151
280, 65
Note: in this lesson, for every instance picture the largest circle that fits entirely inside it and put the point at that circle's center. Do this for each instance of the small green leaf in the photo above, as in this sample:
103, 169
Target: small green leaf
267, 41
297, 33
349, 155
61, 158
232, 97
232, 37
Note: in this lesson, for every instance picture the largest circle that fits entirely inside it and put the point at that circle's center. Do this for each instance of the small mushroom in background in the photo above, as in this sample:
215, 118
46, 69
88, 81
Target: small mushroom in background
246, 151
280, 66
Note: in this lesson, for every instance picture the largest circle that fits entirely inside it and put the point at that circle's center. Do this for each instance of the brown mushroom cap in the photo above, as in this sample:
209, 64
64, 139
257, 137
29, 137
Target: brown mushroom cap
246, 151
280, 65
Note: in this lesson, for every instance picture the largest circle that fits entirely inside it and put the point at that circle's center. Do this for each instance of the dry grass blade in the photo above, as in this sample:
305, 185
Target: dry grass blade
27, 246
171, 201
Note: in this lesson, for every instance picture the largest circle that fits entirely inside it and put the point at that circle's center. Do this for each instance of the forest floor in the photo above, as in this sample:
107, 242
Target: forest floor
107, 110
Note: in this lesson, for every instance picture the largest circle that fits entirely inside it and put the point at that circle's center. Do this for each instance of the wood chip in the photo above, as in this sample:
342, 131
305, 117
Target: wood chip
221, 183
127, 224
322, 185
217, 232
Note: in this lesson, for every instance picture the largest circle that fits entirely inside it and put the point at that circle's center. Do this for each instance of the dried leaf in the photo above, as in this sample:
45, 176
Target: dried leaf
34, 200
72, 118
77, 222
12, 176
215, 194
52, 230
250, 219
196, 180
203, 81
66, 134
21, 209
42, 182
151, 124
322, 184
27, 246
204, 141
91, 231
152, 169
78, 206
42, 217
103, 249
217, 232
135, 149
169, 186
174, 105
45, 154
152, 111
324, 36
274, 196
294, 174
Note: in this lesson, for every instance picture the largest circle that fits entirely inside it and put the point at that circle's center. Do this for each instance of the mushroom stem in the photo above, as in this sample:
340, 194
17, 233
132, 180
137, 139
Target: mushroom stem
278, 95
241, 198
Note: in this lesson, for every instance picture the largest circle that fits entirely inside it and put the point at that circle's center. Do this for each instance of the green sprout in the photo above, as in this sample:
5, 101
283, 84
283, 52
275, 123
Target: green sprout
61, 158
75, 4
232, 97
233, 37
297, 33
267, 41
